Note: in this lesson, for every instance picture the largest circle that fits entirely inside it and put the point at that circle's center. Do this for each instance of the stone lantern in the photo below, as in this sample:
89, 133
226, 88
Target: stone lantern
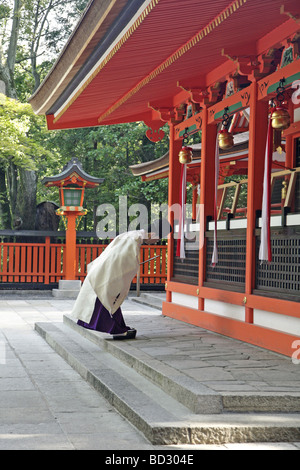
72, 183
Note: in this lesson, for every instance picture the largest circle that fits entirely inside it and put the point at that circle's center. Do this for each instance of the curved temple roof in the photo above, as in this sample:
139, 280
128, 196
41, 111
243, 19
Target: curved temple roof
129, 59
240, 150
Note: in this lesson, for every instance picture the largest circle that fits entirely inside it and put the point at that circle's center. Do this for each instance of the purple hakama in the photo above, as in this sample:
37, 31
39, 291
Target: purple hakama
103, 321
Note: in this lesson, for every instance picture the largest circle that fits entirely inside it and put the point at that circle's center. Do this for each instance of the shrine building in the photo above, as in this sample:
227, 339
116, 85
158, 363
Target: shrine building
229, 70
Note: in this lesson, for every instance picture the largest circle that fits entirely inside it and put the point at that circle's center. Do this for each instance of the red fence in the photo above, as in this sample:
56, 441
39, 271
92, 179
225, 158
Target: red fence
31, 262
43, 263
153, 269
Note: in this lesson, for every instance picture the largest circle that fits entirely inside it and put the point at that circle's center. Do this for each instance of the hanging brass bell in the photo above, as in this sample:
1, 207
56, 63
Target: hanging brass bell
185, 155
281, 119
225, 139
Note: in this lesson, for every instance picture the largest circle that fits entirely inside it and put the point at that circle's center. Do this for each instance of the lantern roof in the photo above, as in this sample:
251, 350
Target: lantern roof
73, 173
135, 60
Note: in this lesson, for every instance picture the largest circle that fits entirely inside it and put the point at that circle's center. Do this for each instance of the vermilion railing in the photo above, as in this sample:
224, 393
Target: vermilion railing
31, 262
43, 263
153, 271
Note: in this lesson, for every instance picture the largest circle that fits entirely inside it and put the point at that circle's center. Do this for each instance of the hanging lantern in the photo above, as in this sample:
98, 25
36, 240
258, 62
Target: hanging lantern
225, 137
280, 117
185, 155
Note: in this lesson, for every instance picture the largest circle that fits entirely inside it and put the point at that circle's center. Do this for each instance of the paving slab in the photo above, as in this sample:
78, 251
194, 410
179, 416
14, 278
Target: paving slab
57, 409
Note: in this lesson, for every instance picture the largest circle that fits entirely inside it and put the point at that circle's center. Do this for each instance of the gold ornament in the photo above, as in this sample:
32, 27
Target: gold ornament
225, 139
281, 119
185, 155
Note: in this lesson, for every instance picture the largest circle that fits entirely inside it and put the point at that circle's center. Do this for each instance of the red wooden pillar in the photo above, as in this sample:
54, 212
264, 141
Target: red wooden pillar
70, 261
174, 196
207, 185
258, 126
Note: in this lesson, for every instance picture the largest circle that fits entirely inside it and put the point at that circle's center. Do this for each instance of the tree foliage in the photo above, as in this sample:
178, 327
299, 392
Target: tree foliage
23, 149
107, 152
32, 34
23, 135
28, 44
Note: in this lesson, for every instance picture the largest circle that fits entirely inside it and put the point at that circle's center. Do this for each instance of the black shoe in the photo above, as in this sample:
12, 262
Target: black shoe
131, 333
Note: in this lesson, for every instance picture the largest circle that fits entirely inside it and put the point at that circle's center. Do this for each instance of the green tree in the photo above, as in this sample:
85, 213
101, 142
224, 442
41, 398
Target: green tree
23, 146
32, 33
107, 152
30, 30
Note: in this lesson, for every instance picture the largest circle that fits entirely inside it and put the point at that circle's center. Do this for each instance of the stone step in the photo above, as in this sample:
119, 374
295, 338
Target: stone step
67, 289
193, 394
149, 299
198, 398
160, 417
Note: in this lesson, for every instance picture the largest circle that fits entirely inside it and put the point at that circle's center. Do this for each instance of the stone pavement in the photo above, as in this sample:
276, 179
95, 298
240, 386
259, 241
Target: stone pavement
46, 404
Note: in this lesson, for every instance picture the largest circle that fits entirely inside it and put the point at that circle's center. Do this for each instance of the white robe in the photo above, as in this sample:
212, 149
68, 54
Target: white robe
110, 275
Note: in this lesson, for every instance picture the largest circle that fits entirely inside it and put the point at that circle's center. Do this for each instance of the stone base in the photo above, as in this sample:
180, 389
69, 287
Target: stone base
67, 289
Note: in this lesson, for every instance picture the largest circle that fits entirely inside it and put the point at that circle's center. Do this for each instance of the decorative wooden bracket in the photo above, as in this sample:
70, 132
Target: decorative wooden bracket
203, 95
169, 114
180, 113
155, 133
165, 114
245, 64
197, 94
215, 93
253, 67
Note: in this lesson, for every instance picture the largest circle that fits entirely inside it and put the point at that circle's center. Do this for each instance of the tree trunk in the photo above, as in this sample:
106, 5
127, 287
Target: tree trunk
26, 200
11, 181
22, 186
7, 68
5, 217
7, 82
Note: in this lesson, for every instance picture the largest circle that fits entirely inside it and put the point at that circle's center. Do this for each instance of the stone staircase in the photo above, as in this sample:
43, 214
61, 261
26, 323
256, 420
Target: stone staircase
167, 406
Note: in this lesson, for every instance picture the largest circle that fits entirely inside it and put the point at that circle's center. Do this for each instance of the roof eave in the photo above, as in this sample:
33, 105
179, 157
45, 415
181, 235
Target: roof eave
73, 166
94, 23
